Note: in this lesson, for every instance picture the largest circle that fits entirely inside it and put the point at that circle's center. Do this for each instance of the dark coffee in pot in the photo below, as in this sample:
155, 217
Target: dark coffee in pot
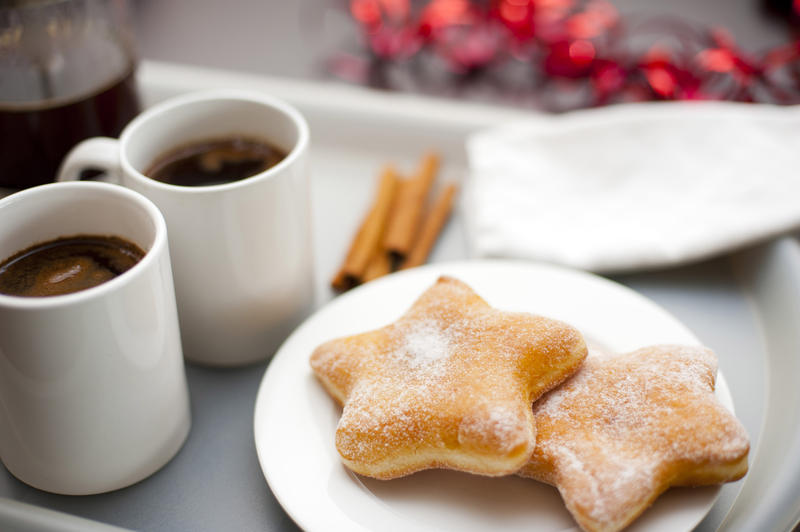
215, 161
66, 265
37, 135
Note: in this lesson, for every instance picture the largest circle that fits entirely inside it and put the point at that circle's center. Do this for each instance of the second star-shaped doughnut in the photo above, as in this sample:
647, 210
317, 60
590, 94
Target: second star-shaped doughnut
448, 385
627, 427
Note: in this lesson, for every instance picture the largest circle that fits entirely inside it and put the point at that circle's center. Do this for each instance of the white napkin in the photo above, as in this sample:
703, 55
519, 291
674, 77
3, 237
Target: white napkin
635, 186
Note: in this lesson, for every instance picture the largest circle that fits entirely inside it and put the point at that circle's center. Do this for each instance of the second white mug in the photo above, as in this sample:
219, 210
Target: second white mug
241, 250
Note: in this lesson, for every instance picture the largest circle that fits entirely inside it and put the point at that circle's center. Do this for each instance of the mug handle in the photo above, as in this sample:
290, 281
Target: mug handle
101, 153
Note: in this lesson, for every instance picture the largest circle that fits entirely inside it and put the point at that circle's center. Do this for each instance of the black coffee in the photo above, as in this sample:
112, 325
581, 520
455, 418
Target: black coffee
215, 161
66, 265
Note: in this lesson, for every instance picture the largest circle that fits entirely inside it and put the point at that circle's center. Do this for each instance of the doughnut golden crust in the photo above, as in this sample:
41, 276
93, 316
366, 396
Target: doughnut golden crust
448, 385
627, 427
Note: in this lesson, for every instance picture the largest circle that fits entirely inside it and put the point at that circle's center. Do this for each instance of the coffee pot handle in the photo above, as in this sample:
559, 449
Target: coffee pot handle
98, 153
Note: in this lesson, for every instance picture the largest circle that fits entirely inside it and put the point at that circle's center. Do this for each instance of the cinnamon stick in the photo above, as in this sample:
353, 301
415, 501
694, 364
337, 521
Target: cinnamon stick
379, 265
368, 238
406, 216
431, 227
341, 282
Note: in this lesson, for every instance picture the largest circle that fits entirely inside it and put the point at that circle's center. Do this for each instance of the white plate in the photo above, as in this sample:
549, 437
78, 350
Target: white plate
295, 419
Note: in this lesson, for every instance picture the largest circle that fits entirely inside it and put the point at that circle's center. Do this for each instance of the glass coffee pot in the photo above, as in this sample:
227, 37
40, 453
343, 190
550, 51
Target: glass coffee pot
66, 74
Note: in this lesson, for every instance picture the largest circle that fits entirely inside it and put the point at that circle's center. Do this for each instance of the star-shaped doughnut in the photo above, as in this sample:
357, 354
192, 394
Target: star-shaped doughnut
448, 385
626, 427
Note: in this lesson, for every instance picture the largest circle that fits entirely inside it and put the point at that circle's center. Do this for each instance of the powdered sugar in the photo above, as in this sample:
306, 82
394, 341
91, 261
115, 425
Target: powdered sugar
496, 425
424, 346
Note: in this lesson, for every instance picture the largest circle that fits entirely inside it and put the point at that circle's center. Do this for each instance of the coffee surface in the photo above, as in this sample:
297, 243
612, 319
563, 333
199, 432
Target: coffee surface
66, 265
215, 161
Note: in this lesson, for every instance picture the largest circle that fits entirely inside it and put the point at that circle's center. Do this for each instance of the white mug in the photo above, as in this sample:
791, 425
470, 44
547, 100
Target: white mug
93, 393
242, 250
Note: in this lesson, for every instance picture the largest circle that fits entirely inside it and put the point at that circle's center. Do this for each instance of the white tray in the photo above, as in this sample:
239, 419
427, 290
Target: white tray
745, 306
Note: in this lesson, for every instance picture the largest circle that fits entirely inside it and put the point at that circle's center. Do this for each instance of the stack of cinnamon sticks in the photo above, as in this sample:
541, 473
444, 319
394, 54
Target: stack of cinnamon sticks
400, 228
